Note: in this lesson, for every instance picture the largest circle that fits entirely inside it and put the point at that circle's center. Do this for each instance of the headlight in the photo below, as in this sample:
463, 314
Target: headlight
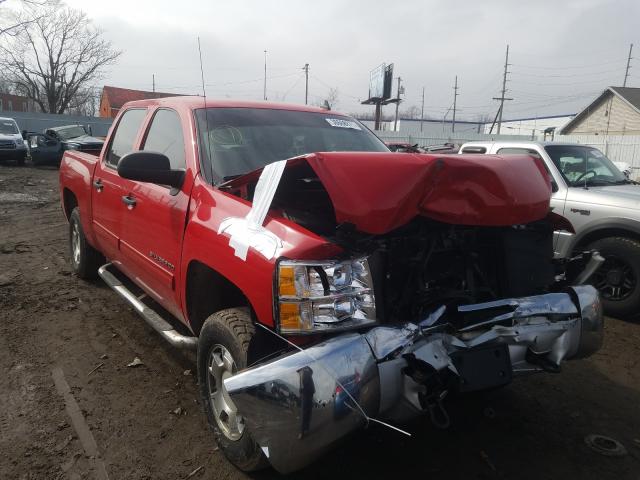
320, 296
19, 142
72, 146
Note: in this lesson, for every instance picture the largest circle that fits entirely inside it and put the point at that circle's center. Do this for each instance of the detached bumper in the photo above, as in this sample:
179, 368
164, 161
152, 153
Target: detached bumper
298, 406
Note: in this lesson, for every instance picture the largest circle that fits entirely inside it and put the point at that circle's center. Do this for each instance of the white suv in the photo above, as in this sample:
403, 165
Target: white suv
12, 145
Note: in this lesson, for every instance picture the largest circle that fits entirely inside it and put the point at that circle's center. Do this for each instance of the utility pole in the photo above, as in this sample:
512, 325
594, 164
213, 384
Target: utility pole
504, 90
455, 98
422, 110
626, 72
265, 75
153, 79
395, 125
306, 83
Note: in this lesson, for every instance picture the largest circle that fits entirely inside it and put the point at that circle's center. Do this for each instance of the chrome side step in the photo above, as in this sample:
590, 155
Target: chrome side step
154, 320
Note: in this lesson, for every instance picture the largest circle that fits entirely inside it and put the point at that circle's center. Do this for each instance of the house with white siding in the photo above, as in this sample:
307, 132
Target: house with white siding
615, 112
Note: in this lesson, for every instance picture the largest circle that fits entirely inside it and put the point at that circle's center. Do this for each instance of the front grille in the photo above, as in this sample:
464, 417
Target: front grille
7, 144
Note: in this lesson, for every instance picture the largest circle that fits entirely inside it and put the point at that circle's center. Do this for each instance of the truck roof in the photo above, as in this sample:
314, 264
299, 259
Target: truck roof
518, 142
196, 102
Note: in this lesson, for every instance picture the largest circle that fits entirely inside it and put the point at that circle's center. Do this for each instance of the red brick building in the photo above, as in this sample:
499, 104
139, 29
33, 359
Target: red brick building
113, 98
14, 103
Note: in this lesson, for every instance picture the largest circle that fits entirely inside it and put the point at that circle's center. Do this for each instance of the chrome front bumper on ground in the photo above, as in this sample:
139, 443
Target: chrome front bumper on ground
297, 406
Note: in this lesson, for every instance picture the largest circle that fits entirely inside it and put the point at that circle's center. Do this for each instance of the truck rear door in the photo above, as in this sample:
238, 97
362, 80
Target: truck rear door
153, 226
108, 189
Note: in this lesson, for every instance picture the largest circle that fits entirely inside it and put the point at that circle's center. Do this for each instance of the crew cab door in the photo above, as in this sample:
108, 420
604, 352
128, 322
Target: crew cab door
153, 225
108, 189
43, 148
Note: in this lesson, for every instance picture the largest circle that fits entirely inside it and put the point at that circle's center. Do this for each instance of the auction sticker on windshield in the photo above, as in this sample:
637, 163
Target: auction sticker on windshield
340, 123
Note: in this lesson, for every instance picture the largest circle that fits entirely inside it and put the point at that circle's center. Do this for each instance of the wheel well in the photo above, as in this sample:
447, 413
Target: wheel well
606, 233
69, 201
209, 292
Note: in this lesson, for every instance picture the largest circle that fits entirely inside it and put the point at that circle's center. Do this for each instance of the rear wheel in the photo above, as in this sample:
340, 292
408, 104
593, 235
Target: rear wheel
223, 348
85, 260
618, 279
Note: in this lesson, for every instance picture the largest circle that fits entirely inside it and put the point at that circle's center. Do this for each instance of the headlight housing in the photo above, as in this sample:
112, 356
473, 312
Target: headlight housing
325, 295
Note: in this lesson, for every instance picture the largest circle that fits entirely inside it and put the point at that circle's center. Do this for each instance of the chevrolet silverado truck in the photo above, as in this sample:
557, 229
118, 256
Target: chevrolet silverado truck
602, 204
325, 282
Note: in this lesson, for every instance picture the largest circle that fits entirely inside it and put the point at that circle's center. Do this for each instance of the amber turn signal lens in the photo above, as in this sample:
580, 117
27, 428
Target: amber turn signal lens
287, 285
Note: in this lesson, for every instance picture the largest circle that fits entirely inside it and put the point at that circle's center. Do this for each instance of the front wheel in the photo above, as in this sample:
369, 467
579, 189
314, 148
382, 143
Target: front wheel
223, 348
618, 279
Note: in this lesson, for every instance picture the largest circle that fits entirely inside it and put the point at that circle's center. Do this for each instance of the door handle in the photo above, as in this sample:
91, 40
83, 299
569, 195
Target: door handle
129, 201
98, 185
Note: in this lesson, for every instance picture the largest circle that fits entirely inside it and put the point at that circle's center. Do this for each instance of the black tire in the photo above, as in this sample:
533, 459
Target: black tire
618, 279
86, 261
233, 330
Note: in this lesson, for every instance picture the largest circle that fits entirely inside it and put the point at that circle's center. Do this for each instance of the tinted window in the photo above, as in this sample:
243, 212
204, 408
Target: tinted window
518, 151
240, 140
165, 136
125, 135
474, 150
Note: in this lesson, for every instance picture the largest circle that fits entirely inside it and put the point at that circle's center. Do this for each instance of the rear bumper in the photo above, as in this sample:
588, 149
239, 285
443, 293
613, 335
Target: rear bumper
298, 406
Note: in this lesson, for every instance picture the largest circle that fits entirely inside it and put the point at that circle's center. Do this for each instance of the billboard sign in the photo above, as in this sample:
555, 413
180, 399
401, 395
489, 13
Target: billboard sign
380, 80
376, 82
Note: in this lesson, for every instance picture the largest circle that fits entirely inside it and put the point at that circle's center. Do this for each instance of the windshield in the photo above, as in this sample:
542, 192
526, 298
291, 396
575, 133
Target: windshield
244, 139
8, 127
71, 132
584, 166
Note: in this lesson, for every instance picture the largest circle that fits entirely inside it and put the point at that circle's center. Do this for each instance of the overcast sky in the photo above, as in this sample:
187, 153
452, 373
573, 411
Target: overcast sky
563, 53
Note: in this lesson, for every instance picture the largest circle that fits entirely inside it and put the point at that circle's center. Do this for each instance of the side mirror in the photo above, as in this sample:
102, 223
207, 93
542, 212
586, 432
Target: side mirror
554, 186
151, 167
88, 129
24, 134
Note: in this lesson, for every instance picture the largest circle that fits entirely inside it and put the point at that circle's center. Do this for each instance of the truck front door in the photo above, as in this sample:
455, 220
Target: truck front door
154, 224
108, 189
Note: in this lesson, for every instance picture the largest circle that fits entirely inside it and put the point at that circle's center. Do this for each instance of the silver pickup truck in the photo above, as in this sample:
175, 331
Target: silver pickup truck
603, 206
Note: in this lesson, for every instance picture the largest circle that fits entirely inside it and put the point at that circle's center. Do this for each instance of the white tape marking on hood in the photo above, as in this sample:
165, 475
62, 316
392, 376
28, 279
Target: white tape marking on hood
248, 231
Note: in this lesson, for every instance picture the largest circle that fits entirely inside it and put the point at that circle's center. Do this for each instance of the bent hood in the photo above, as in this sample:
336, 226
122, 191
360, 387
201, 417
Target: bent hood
379, 192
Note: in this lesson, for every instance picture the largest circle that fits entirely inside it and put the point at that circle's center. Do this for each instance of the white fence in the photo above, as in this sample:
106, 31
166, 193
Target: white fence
619, 148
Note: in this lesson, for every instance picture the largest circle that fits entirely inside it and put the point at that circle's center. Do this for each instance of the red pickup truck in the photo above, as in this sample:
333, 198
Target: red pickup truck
326, 282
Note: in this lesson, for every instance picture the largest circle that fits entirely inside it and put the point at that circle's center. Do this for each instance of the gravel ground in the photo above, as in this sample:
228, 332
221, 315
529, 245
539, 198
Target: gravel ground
64, 342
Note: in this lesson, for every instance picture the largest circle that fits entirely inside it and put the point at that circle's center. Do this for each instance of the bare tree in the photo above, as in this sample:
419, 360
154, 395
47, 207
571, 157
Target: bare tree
413, 112
330, 102
9, 24
55, 56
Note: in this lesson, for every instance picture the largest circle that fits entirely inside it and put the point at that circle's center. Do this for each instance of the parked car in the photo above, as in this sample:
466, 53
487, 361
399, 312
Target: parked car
323, 289
12, 145
603, 206
49, 146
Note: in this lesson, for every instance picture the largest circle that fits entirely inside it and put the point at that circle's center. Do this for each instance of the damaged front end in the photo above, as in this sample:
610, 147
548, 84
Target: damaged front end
297, 406
444, 281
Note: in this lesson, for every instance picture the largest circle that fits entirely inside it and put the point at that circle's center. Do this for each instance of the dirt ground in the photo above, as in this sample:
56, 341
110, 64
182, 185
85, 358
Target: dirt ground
56, 330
